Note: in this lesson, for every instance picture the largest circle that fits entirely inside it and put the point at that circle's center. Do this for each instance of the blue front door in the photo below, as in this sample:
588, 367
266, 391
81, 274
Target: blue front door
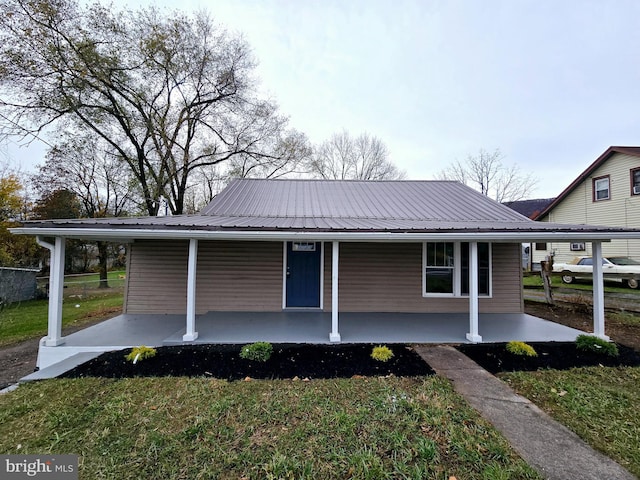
303, 274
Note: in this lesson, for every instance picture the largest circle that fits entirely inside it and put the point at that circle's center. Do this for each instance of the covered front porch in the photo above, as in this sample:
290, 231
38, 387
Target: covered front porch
129, 330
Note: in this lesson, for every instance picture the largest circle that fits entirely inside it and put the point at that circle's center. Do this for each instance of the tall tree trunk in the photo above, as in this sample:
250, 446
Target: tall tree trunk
102, 258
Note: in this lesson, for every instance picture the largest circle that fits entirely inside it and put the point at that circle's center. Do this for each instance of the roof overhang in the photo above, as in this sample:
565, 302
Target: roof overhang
128, 235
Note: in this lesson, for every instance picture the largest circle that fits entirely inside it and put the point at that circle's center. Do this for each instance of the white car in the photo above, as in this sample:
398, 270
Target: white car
610, 265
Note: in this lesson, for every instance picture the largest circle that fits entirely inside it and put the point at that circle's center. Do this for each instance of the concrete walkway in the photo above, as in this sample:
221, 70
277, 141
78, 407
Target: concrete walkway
549, 447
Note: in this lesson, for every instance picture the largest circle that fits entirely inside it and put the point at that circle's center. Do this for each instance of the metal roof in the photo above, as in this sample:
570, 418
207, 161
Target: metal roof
529, 208
308, 206
363, 200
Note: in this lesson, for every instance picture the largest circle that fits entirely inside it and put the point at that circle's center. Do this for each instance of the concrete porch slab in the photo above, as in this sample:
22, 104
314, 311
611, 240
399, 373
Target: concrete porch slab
295, 326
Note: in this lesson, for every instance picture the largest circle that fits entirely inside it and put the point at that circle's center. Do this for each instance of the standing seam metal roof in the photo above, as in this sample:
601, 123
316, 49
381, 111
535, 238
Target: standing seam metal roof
345, 206
398, 200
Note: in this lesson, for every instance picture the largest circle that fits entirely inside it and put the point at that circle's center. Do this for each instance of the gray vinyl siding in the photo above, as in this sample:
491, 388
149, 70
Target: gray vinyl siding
157, 277
383, 277
242, 276
247, 276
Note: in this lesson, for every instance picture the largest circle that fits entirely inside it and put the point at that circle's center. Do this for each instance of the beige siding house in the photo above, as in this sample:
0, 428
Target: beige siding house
606, 193
319, 261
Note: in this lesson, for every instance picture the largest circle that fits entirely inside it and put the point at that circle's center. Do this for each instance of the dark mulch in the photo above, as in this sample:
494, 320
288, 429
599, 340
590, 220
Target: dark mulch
287, 361
556, 355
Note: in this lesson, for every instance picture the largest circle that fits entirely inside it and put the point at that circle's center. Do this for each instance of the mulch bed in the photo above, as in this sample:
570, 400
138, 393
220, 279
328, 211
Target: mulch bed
556, 355
287, 361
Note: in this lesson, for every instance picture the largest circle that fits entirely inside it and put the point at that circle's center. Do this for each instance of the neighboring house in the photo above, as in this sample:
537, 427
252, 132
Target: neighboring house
386, 255
530, 209
606, 193
17, 284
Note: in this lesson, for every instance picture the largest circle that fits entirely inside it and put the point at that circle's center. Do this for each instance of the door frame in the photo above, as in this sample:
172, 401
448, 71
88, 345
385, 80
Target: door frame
284, 276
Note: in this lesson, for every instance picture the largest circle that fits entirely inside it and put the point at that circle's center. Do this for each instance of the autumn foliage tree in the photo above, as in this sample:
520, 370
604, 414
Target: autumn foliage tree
15, 251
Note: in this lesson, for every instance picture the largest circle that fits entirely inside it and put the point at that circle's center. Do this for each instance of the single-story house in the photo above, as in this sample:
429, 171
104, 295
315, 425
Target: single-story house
351, 258
607, 193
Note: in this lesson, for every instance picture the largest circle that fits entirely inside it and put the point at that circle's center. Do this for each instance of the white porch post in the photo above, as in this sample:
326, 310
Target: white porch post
56, 287
598, 291
473, 335
191, 333
334, 336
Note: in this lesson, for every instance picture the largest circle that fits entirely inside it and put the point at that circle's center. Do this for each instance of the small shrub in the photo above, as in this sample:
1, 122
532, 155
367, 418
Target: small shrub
258, 352
381, 353
589, 343
140, 353
522, 349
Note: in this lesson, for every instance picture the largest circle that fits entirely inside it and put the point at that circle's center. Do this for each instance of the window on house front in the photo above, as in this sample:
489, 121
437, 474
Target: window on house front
483, 269
635, 181
447, 269
577, 247
440, 265
541, 246
601, 189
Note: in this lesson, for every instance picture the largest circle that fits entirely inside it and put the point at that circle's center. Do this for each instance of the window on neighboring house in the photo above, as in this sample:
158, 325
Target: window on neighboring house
447, 269
635, 181
577, 247
541, 246
601, 189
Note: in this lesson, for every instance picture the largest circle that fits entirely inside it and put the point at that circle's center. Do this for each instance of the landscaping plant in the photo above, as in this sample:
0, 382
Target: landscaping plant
589, 343
381, 353
140, 353
258, 352
522, 349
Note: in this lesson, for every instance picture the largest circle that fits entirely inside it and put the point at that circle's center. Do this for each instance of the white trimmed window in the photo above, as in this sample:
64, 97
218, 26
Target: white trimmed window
601, 189
446, 269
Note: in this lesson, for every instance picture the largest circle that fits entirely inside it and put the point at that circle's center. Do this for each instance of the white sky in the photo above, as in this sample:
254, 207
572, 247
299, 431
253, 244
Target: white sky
551, 83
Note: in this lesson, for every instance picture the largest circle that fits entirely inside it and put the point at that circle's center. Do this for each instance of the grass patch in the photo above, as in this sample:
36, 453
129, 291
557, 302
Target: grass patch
600, 404
200, 428
624, 318
535, 281
25, 320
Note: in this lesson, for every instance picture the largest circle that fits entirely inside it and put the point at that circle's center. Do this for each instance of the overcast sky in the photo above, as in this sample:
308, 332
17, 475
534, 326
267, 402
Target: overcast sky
550, 83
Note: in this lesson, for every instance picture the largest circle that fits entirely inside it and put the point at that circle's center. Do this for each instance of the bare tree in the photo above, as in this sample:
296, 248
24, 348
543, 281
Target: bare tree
100, 181
345, 158
487, 173
170, 94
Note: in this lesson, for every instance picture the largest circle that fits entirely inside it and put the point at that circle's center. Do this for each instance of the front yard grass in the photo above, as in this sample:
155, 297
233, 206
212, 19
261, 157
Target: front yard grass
534, 280
600, 404
25, 320
168, 428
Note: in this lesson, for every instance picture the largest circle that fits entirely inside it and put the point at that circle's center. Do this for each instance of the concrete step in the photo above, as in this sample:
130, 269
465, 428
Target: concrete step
52, 371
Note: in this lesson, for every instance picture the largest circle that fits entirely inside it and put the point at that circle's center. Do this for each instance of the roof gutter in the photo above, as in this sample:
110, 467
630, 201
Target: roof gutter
127, 235
49, 246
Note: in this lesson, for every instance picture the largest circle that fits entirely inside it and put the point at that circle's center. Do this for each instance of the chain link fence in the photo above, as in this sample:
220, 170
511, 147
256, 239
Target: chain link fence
86, 285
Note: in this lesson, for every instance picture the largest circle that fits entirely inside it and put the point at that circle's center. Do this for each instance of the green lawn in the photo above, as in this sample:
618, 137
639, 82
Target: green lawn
172, 428
600, 404
25, 320
535, 281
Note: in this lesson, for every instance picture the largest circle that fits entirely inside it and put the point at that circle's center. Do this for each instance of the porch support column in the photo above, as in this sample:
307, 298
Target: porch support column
334, 336
473, 335
56, 287
598, 291
191, 333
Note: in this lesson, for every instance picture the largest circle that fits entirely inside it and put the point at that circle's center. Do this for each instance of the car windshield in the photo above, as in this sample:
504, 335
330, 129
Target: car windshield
623, 261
